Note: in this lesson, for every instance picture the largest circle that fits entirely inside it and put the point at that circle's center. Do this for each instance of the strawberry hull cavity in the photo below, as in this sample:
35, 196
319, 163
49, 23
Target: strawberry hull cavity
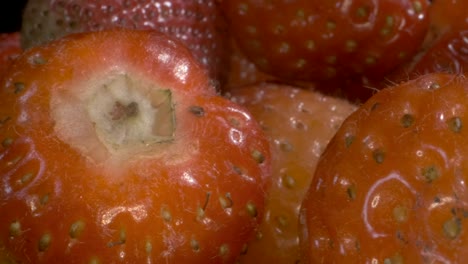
115, 147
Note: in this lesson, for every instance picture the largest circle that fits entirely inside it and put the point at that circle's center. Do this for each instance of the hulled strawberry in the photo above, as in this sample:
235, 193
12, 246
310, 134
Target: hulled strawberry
298, 123
116, 148
198, 24
391, 185
321, 40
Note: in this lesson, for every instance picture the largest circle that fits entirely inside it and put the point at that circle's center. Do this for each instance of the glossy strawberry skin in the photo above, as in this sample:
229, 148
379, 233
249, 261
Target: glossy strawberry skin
68, 198
446, 46
321, 40
390, 187
449, 53
198, 24
298, 123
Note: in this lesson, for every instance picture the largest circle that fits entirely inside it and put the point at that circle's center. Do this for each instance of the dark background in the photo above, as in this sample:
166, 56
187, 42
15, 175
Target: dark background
10, 15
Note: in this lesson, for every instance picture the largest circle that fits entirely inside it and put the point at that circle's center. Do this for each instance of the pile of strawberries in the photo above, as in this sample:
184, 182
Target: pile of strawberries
235, 131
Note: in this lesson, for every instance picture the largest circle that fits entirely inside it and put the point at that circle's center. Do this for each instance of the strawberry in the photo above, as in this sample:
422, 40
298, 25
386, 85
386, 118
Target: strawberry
245, 73
299, 123
117, 148
10, 48
319, 40
198, 24
449, 53
391, 185
447, 15
446, 45
242, 71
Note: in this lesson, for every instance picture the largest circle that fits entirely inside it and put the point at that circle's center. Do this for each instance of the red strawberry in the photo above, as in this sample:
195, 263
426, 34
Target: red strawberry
10, 48
449, 53
391, 185
243, 72
198, 24
116, 148
316, 40
446, 46
448, 15
299, 124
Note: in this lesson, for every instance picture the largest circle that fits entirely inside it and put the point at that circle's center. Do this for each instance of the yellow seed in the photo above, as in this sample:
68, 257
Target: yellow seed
361, 12
251, 209
226, 201
282, 221
94, 260
288, 181
195, 245
385, 31
407, 120
200, 213
300, 63
300, 14
379, 156
389, 21
452, 228
279, 29
76, 229
148, 247
351, 45
434, 86
44, 242
331, 59
251, 30
400, 213
166, 215
284, 47
430, 173
15, 229
254, 44
455, 124
223, 250
417, 6
7, 142
19, 87
395, 259
259, 235
243, 8
351, 191
26, 178
370, 60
